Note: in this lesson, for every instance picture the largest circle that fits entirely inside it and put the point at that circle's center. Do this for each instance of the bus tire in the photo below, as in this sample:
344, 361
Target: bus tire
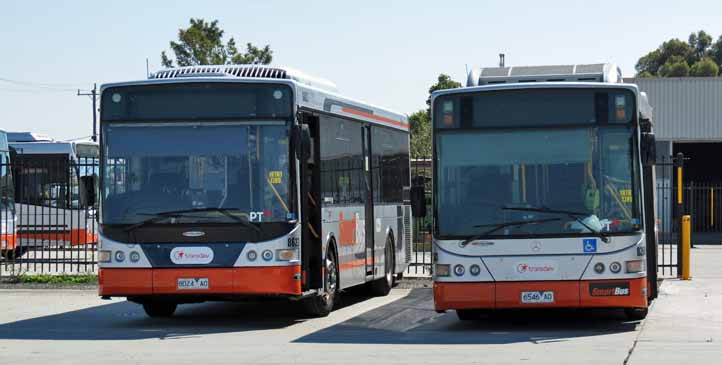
158, 309
381, 287
15, 253
636, 314
467, 314
321, 305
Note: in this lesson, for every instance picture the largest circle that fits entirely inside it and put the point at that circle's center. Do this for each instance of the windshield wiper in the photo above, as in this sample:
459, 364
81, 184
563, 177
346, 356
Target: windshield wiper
571, 214
180, 213
498, 226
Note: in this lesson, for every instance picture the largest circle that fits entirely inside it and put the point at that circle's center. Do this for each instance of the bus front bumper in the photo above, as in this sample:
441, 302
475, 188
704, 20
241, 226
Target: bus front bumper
269, 280
618, 293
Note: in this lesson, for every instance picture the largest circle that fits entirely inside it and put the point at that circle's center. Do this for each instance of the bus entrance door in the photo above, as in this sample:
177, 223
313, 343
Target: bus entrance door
369, 201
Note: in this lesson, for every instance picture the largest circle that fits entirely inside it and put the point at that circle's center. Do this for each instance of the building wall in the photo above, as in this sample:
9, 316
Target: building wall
687, 109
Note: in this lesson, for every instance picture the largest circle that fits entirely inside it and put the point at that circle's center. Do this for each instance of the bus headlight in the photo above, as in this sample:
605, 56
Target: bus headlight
635, 266
119, 256
459, 270
285, 255
267, 255
599, 267
134, 256
251, 255
104, 256
442, 270
615, 267
475, 270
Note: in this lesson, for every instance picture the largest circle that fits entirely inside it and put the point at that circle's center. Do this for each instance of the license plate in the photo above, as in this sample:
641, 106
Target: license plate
194, 283
537, 297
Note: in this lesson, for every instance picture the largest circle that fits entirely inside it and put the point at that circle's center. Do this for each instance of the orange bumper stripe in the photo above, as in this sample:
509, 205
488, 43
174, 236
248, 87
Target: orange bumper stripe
75, 237
567, 294
239, 280
8, 241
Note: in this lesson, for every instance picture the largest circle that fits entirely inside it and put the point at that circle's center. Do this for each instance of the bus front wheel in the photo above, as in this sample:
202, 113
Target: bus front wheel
159, 309
321, 305
636, 314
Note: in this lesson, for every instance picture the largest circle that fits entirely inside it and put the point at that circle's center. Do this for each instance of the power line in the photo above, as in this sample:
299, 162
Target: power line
40, 85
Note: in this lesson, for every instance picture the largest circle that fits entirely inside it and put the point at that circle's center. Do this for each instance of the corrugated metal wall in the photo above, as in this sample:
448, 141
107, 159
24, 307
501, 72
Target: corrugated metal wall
685, 109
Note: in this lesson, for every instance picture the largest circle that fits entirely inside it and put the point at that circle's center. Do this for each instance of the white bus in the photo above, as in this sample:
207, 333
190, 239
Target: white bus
8, 236
543, 191
55, 189
220, 182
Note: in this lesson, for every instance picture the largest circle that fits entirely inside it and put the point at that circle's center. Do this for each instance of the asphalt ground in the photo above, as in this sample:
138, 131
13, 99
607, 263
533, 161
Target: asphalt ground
74, 326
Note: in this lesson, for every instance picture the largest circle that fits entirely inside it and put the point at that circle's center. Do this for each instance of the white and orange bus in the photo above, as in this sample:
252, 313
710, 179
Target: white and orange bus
55, 188
543, 191
8, 220
219, 182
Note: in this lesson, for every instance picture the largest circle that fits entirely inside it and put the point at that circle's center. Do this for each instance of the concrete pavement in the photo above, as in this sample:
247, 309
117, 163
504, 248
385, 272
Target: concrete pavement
685, 324
75, 327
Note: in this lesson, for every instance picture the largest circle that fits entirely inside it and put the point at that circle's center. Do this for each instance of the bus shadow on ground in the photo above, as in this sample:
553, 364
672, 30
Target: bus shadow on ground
122, 320
412, 320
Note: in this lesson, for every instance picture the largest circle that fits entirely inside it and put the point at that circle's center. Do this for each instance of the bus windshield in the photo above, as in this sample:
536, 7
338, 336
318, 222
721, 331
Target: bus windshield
212, 172
561, 181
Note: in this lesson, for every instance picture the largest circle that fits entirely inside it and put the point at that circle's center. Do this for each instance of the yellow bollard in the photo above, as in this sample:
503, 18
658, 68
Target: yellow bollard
686, 240
679, 185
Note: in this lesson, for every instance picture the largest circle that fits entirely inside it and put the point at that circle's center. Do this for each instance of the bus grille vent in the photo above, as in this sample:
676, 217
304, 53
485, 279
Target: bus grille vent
407, 232
247, 71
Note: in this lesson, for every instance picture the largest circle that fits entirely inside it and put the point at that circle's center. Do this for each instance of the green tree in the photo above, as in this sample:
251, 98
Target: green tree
700, 43
716, 51
420, 134
443, 82
420, 121
676, 66
675, 58
704, 67
202, 44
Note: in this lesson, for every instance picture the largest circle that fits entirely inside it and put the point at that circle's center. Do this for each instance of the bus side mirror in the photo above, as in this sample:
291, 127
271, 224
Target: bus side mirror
649, 149
302, 141
418, 201
87, 191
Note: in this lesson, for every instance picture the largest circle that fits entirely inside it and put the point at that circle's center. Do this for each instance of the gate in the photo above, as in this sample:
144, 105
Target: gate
48, 216
703, 201
420, 264
670, 208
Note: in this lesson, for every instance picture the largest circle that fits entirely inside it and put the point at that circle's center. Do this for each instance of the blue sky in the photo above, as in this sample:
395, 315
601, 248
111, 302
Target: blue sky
384, 52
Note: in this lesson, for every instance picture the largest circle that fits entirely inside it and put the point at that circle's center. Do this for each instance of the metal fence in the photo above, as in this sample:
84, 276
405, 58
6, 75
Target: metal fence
48, 215
420, 264
51, 226
703, 201
670, 208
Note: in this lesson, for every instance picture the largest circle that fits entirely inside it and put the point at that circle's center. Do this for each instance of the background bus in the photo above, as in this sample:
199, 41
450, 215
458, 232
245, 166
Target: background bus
225, 181
55, 189
8, 237
543, 191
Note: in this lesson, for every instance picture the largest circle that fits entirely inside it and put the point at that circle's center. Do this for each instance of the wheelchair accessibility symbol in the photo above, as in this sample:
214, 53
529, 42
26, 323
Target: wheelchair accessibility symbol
589, 245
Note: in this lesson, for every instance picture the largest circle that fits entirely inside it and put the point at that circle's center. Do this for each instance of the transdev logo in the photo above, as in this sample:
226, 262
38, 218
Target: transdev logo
523, 268
191, 255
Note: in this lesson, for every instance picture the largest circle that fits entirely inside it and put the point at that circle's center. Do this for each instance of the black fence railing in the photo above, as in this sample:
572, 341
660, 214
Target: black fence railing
48, 215
670, 208
420, 264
